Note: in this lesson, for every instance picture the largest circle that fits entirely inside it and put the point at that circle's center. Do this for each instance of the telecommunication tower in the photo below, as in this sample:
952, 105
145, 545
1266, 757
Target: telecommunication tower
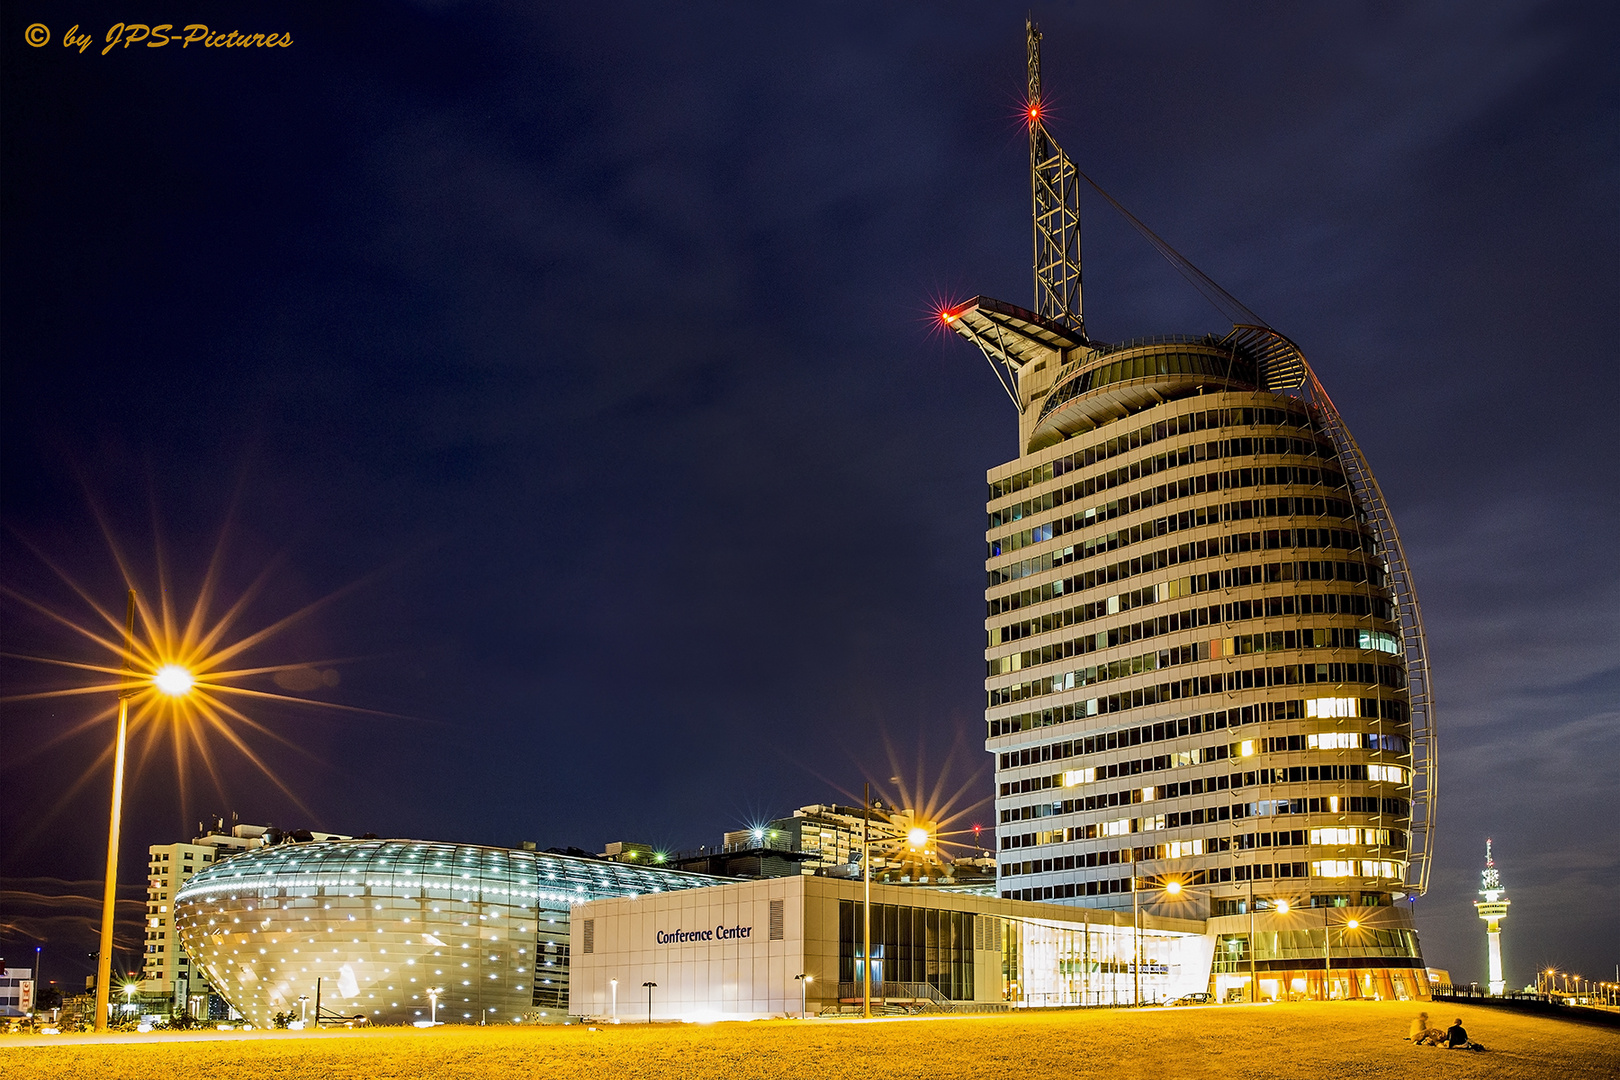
1493, 909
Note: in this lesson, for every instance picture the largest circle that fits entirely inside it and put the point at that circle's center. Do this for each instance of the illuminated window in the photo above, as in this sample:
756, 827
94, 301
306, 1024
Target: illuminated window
1330, 706
1333, 740
1079, 776
1331, 868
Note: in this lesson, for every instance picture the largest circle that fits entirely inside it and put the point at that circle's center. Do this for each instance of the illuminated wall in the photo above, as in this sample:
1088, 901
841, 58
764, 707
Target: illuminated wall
380, 922
733, 952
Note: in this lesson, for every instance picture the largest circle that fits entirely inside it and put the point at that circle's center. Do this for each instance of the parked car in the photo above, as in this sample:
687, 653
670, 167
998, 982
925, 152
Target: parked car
1191, 999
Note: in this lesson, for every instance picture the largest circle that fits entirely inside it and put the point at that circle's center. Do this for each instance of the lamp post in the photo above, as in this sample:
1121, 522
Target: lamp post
170, 679
866, 905
433, 1007
1327, 950
303, 1009
649, 986
1254, 984
1136, 938
804, 994
613, 985
109, 894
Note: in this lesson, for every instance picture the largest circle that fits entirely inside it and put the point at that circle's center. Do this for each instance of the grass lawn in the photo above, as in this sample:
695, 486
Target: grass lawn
1307, 1040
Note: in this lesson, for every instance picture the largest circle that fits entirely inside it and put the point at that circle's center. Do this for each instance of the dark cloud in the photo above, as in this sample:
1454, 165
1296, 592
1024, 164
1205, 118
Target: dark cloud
602, 335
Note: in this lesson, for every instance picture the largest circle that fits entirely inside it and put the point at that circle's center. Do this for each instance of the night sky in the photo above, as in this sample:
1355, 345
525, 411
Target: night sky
582, 356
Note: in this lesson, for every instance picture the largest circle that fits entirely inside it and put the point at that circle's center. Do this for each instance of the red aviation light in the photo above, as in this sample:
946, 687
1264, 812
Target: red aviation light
1034, 112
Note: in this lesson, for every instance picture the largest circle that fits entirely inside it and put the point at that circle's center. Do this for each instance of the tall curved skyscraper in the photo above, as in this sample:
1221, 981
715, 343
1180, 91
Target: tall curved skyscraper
1207, 689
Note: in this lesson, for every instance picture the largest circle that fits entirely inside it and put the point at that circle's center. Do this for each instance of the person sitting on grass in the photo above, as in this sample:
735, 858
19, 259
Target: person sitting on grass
1456, 1037
1422, 1033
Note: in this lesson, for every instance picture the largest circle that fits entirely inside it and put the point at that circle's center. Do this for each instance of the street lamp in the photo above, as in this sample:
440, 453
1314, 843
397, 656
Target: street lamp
303, 1009
433, 1005
649, 986
613, 986
804, 982
172, 680
110, 891
1136, 938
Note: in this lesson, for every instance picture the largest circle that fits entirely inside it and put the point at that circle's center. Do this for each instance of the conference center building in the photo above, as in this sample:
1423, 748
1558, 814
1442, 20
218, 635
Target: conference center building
795, 945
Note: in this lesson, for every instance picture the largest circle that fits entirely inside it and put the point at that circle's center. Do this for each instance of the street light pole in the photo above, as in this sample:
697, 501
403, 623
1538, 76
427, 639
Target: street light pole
804, 994
1136, 937
866, 905
1327, 952
109, 896
1254, 985
649, 986
614, 984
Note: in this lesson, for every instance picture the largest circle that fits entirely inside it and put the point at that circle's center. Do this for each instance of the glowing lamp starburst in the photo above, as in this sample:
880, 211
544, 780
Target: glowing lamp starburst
917, 837
173, 680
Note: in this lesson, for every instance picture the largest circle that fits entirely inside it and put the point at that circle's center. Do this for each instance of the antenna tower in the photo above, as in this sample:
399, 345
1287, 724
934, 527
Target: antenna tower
1055, 188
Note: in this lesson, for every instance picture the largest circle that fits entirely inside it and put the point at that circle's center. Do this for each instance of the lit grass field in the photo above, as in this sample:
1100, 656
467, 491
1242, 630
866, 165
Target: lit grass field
1308, 1040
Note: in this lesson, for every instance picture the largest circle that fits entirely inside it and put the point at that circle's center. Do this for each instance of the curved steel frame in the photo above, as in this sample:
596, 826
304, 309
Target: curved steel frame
1294, 374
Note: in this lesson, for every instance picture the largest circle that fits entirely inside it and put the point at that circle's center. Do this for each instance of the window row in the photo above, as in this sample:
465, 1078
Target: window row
1387, 675
1371, 708
1269, 540
1181, 458
1232, 950
1357, 604
1332, 637
1239, 905
1213, 649
1331, 740
1304, 774
1207, 420
1206, 786
1327, 740
1068, 889
1331, 804
1181, 555
1083, 861
1286, 506
1103, 742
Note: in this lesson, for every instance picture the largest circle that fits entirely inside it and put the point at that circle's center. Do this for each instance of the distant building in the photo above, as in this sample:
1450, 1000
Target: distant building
826, 840
16, 991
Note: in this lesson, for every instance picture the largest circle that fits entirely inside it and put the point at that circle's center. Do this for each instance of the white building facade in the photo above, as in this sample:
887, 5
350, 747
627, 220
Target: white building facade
783, 946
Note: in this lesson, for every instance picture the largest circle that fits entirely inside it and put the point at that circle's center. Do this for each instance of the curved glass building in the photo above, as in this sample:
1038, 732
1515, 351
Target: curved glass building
371, 926
1206, 679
